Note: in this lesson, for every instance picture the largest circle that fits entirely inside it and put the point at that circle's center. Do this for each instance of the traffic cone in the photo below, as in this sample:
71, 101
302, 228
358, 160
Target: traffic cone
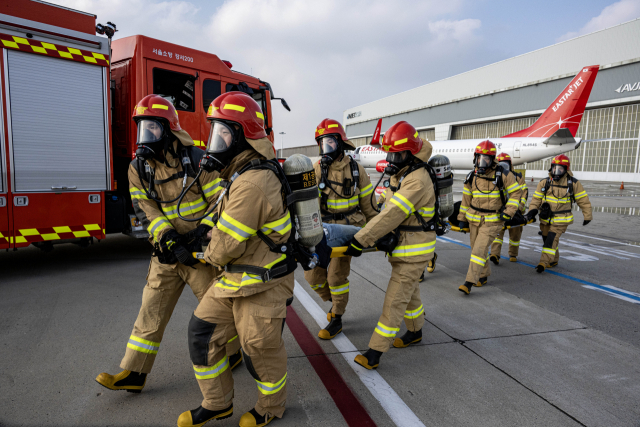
622, 185
531, 179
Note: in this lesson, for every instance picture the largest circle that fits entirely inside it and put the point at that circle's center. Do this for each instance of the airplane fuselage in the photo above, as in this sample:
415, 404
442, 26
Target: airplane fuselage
460, 152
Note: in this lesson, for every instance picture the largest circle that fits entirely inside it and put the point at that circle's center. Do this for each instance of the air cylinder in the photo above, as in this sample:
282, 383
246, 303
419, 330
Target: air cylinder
306, 209
442, 167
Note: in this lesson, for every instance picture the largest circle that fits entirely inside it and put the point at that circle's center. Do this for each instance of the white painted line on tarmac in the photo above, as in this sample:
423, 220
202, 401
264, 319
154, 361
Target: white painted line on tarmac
590, 237
392, 404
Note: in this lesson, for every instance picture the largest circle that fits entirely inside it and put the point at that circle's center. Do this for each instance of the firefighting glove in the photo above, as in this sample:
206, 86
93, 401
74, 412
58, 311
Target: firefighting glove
531, 214
184, 256
354, 248
323, 250
504, 217
387, 243
170, 240
586, 221
464, 226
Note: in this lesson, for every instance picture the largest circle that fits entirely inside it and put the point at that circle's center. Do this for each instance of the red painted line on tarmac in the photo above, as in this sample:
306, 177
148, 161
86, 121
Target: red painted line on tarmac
352, 410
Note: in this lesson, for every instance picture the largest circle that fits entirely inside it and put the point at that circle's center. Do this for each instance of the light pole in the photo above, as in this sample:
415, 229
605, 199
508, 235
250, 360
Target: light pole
282, 143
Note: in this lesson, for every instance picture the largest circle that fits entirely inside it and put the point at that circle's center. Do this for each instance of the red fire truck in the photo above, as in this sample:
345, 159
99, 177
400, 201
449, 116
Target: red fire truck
66, 134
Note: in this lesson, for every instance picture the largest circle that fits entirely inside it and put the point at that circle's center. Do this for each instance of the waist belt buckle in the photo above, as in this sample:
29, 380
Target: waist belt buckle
266, 276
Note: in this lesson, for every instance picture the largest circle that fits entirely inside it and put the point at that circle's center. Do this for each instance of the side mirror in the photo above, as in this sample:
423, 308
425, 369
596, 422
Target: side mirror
284, 104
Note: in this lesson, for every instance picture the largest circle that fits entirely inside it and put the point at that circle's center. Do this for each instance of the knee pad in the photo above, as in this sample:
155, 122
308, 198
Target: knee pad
200, 333
249, 363
548, 240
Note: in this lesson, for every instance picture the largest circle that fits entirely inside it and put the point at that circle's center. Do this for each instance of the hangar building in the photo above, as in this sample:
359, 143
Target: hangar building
508, 96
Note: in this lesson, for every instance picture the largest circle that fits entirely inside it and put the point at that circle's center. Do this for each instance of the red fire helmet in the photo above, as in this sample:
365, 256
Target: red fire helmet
156, 106
486, 147
329, 126
504, 157
240, 108
562, 160
401, 137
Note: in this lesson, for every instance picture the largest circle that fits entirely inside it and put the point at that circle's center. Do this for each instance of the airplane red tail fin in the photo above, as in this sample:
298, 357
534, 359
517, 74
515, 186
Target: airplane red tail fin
376, 135
567, 109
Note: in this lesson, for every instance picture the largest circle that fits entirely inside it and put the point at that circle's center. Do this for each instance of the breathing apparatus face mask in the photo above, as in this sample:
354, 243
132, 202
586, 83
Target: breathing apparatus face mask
483, 163
397, 161
151, 139
557, 172
223, 138
505, 166
330, 148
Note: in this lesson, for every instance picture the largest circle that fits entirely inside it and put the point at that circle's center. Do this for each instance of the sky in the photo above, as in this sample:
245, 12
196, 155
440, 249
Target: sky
326, 56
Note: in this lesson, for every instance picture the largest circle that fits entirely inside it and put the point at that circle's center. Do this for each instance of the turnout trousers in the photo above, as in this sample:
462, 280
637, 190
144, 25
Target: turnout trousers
514, 242
332, 283
402, 300
259, 320
482, 235
159, 297
551, 237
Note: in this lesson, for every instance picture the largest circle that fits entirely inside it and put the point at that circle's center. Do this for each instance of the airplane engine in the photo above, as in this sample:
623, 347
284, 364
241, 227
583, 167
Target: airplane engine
381, 165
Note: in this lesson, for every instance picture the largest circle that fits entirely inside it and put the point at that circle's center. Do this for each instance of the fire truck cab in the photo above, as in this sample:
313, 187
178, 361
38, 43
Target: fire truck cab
66, 133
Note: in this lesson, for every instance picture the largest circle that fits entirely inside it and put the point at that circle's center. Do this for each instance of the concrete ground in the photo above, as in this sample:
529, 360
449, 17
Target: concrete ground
554, 349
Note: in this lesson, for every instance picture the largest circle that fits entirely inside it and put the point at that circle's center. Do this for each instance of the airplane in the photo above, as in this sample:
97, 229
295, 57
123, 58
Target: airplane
553, 133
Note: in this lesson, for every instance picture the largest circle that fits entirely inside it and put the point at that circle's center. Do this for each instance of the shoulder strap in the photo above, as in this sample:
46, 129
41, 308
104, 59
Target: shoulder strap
570, 182
469, 178
500, 183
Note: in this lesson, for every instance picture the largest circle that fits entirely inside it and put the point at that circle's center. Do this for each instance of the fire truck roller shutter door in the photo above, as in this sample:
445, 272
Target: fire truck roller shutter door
57, 116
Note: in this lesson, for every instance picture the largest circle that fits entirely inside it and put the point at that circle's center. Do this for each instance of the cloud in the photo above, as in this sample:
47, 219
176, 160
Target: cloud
614, 14
323, 57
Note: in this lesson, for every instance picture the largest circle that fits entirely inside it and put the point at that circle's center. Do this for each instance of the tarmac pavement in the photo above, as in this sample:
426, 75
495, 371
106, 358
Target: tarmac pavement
554, 349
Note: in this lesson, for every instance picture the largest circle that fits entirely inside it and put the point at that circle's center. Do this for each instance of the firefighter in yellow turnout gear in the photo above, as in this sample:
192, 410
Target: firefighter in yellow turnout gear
553, 200
156, 175
515, 233
490, 197
252, 292
399, 230
345, 198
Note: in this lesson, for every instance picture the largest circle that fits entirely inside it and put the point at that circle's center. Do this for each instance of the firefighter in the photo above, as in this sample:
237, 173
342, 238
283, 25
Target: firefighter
155, 182
251, 293
400, 230
490, 197
515, 233
345, 198
554, 198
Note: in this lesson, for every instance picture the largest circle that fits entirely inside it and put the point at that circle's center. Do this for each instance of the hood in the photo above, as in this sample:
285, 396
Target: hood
262, 146
183, 137
239, 161
340, 164
425, 152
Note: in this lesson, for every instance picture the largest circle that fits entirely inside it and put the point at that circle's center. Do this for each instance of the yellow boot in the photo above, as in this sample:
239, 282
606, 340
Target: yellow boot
200, 416
253, 419
133, 382
431, 265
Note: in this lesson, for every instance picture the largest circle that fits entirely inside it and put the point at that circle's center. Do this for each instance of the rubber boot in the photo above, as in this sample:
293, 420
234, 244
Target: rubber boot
553, 264
333, 328
370, 359
133, 382
431, 264
253, 419
421, 279
200, 416
481, 282
513, 259
407, 339
494, 259
540, 267
466, 288
235, 359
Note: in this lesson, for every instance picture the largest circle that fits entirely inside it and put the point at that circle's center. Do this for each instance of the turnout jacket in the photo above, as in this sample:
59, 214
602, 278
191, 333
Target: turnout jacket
416, 194
559, 199
339, 203
483, 194
158, 218
253, 202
